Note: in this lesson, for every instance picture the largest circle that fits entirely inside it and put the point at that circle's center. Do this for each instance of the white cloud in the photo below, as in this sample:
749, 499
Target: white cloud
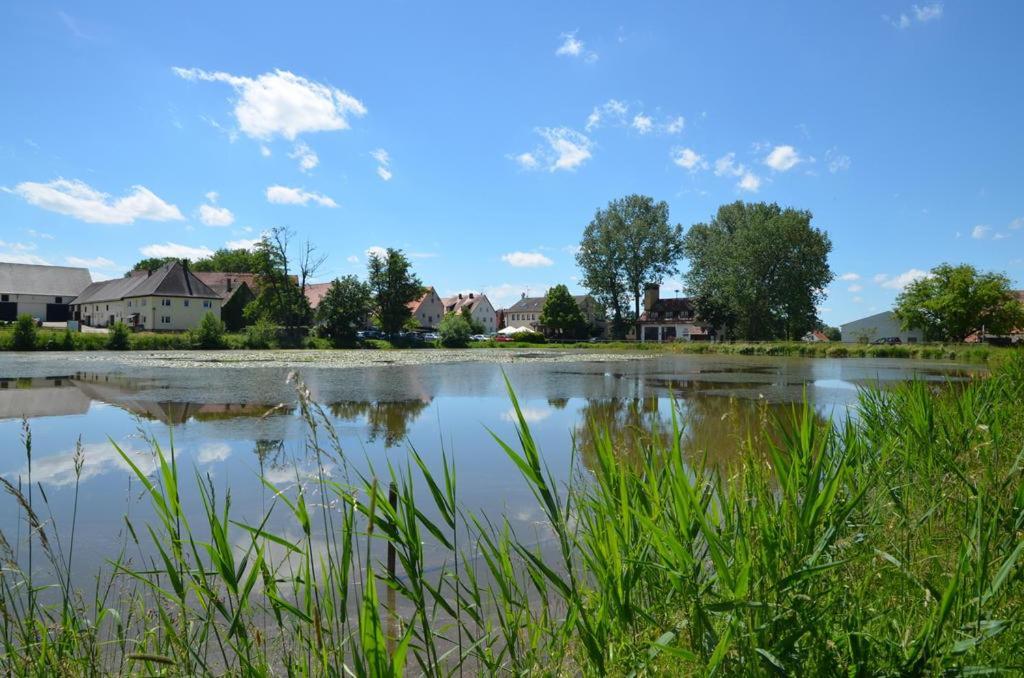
526, 259
850, 276
383, 163
211, 452
855, 288
642, 123
307, 157
171, 249
675, 125
530, 413
980, 232
46, 236
98, 459
18, 246
569, 148
503, 295
352, 259
837, 162
902, 21
96, 262
902, 280
284, 195
573, 47
857, 300
749, 182
783, 158
526, 160
1014, 225
211, 215
929, 12
264, 151
376, 251
613, 111
79, 200
689, 159
242, 244
283, 104
212, 196
19, 257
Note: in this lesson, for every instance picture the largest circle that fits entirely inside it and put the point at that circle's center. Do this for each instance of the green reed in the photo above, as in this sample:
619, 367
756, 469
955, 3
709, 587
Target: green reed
889, 544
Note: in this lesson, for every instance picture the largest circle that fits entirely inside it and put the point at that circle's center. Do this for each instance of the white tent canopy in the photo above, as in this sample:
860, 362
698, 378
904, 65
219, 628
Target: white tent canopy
514, 330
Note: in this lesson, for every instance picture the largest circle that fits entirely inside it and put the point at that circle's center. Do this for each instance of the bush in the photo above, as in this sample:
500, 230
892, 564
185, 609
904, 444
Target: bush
67, 342
24, 338
261, 334
209, 334
529, 337
118, 339
455, 331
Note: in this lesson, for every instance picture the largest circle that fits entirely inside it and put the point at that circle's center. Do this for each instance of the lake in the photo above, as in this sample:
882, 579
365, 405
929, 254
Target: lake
233, 416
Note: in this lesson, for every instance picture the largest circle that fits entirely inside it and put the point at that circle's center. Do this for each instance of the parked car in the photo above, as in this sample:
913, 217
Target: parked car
430, 336
478, 337
503, 337
887, 340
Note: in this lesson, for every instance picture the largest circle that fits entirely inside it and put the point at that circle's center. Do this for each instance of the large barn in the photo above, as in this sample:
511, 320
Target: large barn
43, 292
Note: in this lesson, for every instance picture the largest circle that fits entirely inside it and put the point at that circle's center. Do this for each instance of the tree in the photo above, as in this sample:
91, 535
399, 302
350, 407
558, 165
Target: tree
476, 326
344, 309
626, 247
954, 302
282, 297
561, 315
24, 336
455, 330
758, 271
150, 264
228, 261
394, 286
209, 334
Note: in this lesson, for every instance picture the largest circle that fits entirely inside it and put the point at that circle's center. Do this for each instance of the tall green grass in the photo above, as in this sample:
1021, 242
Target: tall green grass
888, 544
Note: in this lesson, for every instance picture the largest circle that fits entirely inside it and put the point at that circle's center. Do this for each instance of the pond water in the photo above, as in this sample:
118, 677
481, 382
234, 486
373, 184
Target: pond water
232, 417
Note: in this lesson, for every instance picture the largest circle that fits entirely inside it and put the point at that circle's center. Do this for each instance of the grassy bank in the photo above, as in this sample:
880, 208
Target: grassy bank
890, 544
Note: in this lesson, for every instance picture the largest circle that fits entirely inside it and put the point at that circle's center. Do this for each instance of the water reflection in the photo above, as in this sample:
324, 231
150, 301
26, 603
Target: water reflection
386, 420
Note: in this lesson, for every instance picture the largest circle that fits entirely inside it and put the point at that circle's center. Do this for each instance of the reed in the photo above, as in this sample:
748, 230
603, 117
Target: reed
887, 544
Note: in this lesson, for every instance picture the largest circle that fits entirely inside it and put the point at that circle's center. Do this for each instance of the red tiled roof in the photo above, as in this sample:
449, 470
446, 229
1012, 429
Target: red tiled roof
316, 292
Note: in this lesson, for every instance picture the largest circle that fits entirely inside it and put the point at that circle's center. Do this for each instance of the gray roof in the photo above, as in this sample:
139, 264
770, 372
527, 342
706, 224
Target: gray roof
170, 280
536, 304
61, 281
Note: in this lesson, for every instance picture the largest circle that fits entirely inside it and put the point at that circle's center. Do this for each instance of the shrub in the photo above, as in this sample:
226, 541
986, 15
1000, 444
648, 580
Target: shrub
529, 337
24, 338
118, 339
261, 334
837, 352
209, 334
67, 342
455, 331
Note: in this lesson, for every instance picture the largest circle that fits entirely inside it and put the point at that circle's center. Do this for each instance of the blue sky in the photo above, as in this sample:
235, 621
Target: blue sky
480, 138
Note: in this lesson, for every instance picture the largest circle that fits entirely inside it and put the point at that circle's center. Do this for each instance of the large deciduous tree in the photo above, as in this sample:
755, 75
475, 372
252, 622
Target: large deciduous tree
758, 271
625, 247
227, 261
561, 315
344, 309
393, 285
282, 281
954, 302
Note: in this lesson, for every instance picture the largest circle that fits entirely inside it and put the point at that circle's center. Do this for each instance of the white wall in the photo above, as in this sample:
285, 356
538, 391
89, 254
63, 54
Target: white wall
430, 312
185, 313
877, 326
35, 304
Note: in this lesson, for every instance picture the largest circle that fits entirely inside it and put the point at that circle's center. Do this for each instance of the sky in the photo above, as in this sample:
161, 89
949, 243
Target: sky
480, 138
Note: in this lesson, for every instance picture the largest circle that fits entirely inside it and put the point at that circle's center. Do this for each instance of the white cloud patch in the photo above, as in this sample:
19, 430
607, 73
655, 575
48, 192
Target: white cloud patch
855, 288
526, 161
642, 123
376, 251
531, 413
79, 200
96, 262
242, 244
850, 277
573, 47
280, 103
837, 162
689, 159
211, 215
1014, 225
675, 125
918, 13
307, 157
264, 151
981, 231
749, 182
284, 195
172, 249
569, 149
900, 281
612, 111
930, 12
783, 158
526, 259
212, 452
20, 253
726, 166
352, 259
383, 163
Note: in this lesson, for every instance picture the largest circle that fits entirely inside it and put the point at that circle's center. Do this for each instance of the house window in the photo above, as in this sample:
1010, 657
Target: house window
58, 300
108, 307
207, 304
165, 302
5, 297
165, 319
186, 302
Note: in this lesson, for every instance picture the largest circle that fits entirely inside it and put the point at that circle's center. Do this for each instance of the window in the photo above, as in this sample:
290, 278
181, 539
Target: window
186, 302
5, 297
207, 304
58, 300
129, 303
165, 302
165, 319
108, 307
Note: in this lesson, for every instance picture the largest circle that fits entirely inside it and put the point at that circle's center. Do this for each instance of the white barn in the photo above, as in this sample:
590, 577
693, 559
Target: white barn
878, 326
44, 292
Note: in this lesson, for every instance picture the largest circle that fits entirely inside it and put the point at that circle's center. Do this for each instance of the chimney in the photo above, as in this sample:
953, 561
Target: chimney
470, 295
229, 284
460, 295
523, 295
651, 293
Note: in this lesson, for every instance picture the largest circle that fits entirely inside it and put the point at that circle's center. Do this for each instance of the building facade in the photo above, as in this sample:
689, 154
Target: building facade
878, 326
670, 319
526, 313
43, 292
170, 298
428, 310
479, 307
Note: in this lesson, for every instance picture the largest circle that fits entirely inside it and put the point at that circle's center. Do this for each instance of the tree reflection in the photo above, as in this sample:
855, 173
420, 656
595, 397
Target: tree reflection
385, 419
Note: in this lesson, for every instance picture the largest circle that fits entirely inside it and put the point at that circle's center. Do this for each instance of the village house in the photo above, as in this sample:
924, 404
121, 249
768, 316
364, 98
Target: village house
315, 293
236, 290
170, 298
478, 306
670, 319
884, 325
526, 312
43, 292
428, 310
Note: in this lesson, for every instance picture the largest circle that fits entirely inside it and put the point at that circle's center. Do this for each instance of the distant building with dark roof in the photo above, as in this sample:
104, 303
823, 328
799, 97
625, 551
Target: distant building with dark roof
236, 290
169, 298
44, 292
670, 319
526, 312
